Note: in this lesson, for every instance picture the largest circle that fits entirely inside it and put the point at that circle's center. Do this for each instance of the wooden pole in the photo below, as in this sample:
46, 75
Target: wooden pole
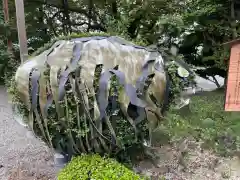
6, 19
22, 37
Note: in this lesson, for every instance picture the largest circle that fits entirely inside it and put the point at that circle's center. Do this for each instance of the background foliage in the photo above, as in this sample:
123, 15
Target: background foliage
198, 28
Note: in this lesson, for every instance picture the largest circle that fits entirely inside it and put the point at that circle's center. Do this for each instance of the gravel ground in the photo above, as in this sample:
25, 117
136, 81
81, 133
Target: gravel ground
22, 156
196, 164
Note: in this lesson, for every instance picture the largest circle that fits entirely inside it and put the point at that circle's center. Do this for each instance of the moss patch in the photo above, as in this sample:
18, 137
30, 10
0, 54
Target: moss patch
80, 35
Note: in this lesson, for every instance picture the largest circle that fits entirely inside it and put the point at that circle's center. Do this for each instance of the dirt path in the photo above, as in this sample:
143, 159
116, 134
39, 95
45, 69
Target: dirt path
21, 154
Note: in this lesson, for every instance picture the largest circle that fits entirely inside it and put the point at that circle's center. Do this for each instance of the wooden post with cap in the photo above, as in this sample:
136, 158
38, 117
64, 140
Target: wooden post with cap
6, 20
22, 37
232, 96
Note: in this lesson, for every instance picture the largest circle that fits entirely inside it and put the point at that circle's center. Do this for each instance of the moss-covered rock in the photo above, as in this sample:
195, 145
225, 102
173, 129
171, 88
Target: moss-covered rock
69, 125
68, 128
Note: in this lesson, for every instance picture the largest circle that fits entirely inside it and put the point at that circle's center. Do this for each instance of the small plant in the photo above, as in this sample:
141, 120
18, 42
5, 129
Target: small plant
177, 83
89, 167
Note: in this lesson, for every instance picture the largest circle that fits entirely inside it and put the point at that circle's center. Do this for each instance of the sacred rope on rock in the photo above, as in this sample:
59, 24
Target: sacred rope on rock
68, 69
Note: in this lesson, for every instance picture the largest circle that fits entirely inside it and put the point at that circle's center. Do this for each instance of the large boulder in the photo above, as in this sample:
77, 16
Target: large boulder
72, 89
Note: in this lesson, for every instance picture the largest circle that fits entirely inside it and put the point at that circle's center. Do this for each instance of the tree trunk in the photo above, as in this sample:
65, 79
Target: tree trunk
41, 19
132, 30
233, 20
90, 8
216, 82
115, 9
6, 18
66, 18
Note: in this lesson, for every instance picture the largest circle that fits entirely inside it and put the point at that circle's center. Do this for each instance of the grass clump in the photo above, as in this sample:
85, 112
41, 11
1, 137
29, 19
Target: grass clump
206, 121
88, 167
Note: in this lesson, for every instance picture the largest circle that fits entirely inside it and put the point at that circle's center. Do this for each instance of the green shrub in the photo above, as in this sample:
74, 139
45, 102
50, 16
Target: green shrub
177, 84
95, 167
